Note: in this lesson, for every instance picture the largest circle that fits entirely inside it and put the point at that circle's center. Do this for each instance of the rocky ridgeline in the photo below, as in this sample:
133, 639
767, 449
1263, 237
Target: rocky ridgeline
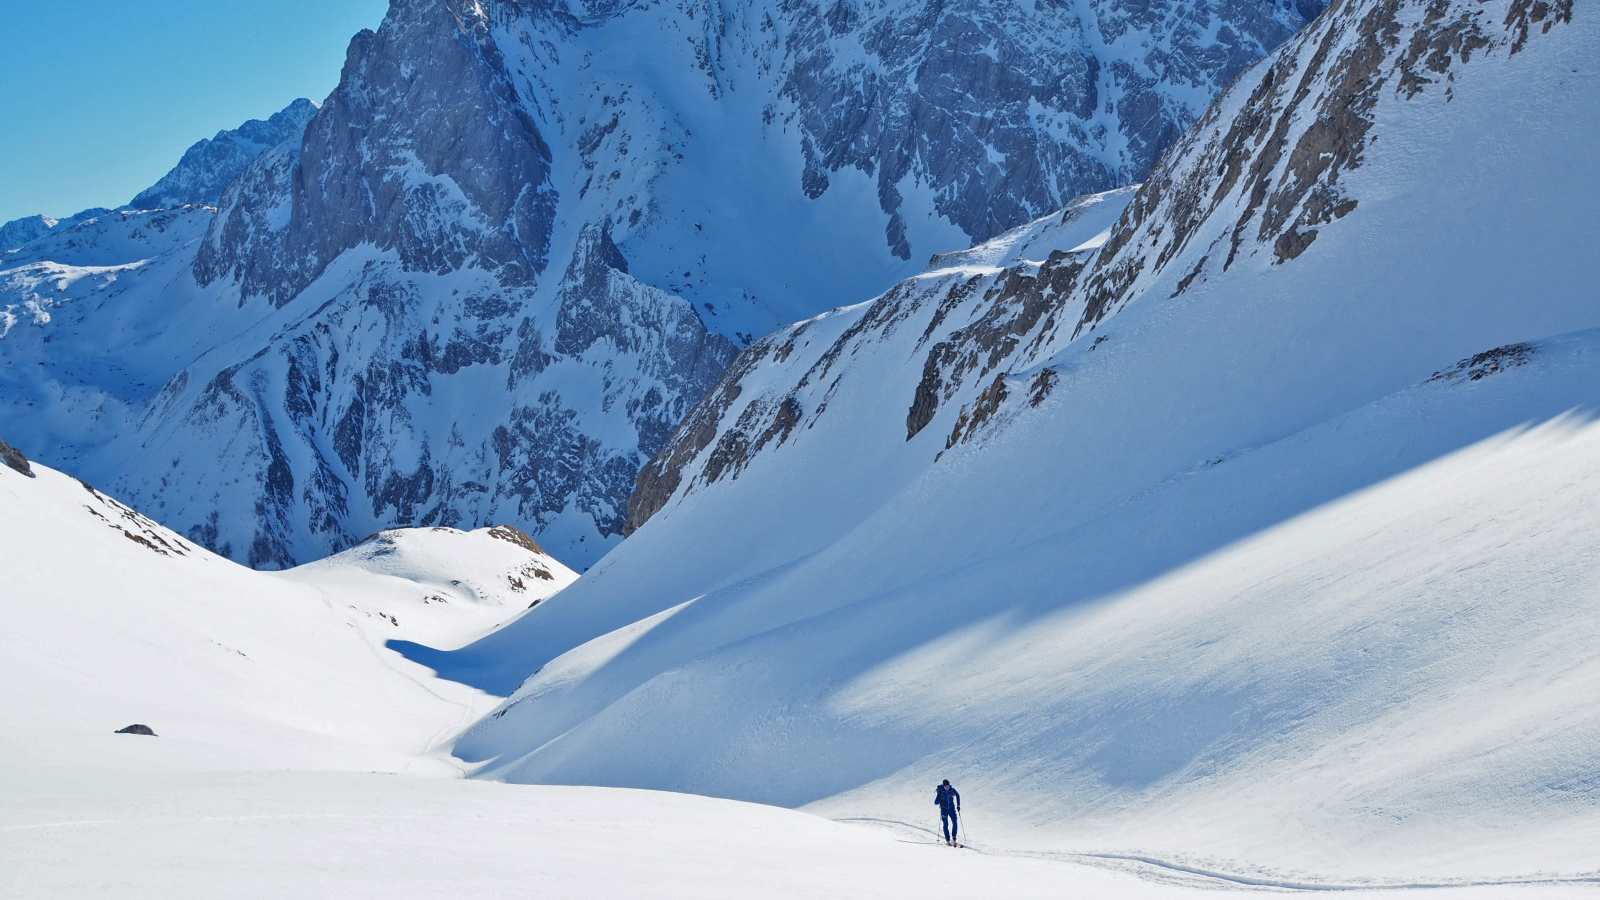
210, 165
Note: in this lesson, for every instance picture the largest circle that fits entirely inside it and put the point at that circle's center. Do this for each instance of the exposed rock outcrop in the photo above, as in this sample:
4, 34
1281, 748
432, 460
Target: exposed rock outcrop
14, 460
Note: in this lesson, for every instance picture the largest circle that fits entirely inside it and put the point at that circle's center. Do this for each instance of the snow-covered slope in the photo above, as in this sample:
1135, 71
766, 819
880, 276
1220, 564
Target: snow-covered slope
457, 584
521, 240
96, 285
296, 834
1255, 532
211, 164
292, 752
113, 619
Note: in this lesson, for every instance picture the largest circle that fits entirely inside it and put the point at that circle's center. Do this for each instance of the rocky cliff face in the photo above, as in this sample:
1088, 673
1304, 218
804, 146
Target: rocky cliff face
521, 239
423, 149
210, 165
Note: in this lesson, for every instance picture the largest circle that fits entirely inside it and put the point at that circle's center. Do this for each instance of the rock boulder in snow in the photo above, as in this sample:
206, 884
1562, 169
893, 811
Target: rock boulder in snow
137, 729
14, 459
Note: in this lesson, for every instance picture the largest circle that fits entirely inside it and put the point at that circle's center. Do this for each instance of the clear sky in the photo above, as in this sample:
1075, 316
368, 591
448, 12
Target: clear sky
98, 98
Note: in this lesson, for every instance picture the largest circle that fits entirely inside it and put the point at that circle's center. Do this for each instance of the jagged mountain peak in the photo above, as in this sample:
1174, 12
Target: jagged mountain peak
211, 164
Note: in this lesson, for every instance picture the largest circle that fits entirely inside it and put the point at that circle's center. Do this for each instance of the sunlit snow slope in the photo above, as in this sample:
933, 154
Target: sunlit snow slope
112, 619
1258, 529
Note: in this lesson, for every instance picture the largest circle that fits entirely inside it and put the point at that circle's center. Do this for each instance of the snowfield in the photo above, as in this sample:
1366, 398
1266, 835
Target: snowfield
297, 758
160, 835
113, 619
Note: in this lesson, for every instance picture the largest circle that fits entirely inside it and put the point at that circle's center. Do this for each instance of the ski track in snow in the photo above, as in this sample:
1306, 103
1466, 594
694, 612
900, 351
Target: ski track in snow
1163, 870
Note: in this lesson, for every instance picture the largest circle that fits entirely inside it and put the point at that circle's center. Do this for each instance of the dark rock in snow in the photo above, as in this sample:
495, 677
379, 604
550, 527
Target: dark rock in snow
137, 729
13, 458
514, 535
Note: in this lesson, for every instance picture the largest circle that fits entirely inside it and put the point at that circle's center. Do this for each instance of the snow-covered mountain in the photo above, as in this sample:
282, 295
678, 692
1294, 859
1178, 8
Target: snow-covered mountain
1251, 526
521, 240
15, 233
199, 178
211, 164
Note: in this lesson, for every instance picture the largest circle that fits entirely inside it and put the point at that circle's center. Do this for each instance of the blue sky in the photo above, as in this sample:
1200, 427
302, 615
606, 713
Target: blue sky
100, 97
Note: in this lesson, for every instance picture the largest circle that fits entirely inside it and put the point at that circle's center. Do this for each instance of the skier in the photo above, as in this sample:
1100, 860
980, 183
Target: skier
948, 799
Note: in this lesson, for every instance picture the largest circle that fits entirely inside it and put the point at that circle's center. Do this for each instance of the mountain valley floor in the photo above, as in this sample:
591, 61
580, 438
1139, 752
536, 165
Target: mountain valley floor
143, 828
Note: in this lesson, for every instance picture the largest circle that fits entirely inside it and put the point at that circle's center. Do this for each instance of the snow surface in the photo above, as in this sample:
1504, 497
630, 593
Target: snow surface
138, 834
449, 585
294, 757
113, 619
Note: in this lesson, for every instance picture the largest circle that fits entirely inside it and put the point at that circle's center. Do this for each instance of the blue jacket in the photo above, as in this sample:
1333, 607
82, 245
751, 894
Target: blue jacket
948, 799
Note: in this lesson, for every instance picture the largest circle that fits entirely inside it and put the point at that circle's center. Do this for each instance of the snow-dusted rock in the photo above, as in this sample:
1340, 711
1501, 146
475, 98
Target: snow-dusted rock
14, 459
210, 165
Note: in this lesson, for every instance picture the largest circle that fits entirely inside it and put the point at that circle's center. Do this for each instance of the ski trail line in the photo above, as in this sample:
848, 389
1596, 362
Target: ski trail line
1097, 860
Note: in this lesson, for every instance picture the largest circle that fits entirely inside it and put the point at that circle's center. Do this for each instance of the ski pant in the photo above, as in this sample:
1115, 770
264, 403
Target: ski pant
947, 818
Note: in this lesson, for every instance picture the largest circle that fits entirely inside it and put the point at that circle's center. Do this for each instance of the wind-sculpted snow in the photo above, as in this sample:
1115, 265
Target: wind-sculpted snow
521, 240
1166, 537
210, 165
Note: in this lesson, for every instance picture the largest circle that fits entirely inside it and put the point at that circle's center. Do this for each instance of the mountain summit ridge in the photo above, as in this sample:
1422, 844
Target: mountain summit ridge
211, 164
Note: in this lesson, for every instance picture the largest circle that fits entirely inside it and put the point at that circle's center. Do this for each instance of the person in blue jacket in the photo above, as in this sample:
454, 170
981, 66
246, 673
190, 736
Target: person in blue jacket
948, 799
